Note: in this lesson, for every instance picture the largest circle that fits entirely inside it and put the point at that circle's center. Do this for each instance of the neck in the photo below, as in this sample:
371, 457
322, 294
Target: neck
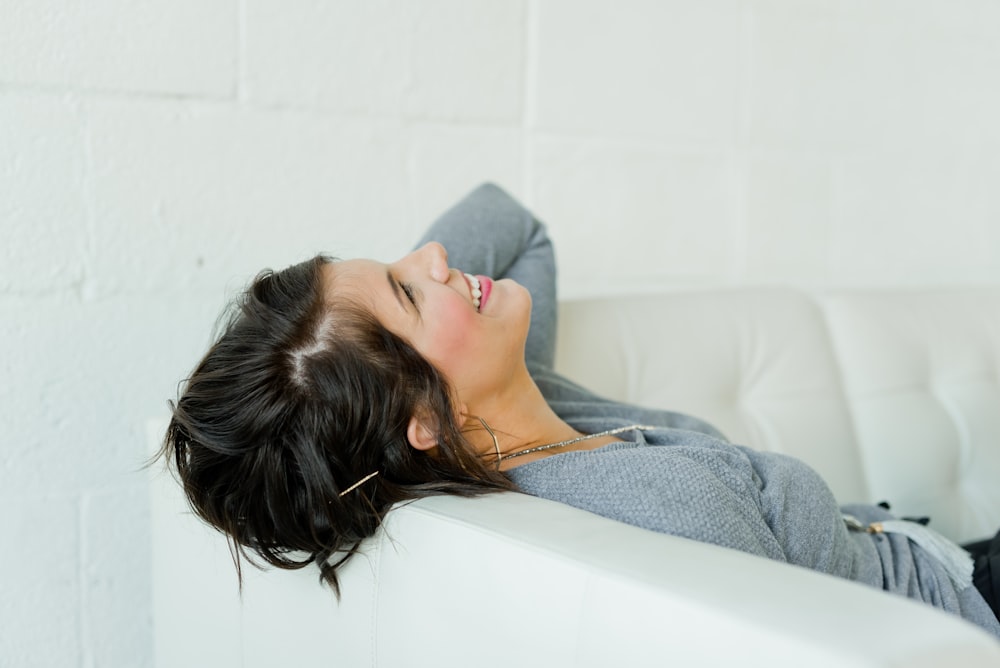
520, 418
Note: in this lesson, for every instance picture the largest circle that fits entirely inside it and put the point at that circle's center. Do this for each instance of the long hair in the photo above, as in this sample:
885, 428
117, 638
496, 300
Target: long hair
302, 396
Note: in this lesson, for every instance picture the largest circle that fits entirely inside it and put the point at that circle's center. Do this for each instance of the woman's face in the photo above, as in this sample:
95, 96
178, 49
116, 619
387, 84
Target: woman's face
432, 307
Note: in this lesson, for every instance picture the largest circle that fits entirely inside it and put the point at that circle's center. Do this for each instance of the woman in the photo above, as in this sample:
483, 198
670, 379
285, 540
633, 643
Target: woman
342, 388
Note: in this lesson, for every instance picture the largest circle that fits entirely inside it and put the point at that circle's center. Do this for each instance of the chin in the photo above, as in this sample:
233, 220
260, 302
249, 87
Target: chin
509, 297
521, 305
521, 292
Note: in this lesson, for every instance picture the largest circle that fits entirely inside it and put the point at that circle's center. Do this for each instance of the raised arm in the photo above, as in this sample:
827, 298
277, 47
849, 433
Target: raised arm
489, 232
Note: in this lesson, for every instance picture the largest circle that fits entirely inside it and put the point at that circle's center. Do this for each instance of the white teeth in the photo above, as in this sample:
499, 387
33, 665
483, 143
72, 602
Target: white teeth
477, 292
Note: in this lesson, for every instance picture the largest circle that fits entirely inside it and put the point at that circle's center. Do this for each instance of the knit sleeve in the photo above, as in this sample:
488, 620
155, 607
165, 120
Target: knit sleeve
489, 232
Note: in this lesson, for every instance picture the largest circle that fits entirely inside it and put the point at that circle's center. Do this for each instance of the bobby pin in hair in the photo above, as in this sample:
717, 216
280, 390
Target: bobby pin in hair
359, 483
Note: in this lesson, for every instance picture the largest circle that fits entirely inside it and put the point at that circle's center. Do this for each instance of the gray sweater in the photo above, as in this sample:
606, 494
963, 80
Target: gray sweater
682, 478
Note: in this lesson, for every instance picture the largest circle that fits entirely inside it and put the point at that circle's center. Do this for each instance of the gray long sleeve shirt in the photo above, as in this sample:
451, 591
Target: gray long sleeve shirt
682, 478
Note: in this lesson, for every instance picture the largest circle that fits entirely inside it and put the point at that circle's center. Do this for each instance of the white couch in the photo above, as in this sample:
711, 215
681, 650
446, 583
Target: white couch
891, 395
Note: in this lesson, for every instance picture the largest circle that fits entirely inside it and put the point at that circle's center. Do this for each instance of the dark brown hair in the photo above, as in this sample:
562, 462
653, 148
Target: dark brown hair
299, 398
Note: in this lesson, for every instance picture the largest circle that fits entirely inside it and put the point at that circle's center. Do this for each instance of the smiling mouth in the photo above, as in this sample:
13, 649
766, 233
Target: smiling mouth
480, 288
476, 289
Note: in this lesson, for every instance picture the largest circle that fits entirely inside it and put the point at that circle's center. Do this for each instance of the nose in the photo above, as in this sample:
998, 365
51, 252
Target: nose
434, 257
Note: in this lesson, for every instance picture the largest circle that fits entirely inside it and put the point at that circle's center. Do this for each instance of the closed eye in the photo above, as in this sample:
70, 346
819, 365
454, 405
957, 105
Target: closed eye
408, 291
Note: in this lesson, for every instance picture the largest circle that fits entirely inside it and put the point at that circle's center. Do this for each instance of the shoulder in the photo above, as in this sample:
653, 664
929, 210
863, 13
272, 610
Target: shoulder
705, 494
678, 469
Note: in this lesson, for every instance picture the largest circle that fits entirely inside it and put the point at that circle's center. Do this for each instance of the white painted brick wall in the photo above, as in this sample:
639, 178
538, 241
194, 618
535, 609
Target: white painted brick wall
42, 142
452, 60
640, 69
155, 155
173, 47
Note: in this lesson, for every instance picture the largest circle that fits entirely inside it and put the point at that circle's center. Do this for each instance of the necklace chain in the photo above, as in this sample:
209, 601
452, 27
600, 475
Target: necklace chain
561, 444
528, 451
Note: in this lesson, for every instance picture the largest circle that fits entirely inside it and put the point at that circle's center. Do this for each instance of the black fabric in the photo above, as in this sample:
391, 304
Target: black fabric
986, 576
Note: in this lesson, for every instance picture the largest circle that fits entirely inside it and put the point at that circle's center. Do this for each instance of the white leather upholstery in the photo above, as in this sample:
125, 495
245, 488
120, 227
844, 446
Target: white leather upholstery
889, 395
921, 374
757, 364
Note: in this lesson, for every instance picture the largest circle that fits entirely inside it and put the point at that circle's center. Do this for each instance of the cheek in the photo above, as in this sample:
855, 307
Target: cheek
451, 344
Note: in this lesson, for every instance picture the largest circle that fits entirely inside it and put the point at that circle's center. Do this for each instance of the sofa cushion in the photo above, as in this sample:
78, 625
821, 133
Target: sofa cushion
756, 363
920, 372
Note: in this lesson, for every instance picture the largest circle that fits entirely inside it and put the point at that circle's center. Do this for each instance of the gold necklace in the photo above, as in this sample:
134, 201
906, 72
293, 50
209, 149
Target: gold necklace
560, 444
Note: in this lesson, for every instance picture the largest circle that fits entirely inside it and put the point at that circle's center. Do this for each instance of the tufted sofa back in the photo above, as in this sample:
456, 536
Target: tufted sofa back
890, 395
921, 375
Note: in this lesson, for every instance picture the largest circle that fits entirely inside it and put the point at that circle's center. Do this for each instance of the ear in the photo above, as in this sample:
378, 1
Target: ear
420, 434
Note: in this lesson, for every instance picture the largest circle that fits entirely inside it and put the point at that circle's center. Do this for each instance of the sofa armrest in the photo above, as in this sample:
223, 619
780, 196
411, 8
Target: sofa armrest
509, 579
544, 584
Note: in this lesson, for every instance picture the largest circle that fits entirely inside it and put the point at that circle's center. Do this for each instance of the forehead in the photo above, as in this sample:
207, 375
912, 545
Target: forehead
362, 282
